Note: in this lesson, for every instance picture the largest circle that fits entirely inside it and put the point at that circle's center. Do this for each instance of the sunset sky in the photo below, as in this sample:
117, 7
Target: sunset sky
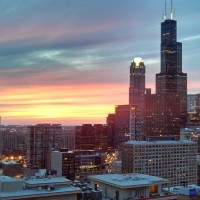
67, 61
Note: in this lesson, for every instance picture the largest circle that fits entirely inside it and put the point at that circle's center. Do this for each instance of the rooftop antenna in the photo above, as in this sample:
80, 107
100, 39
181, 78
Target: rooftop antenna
171, 13
165, 12
174, 14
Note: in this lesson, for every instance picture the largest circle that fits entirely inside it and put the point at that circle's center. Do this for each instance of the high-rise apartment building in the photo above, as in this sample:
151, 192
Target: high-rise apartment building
42, 139
173, 160
136, 98
167, 110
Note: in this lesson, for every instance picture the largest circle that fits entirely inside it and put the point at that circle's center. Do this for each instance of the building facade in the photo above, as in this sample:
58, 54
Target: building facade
193, 109
170, 110
122, 125
68, 137
136, 99
130, 186
110, 121
173, 160
41, 140
13, 137
91, 137
76, 165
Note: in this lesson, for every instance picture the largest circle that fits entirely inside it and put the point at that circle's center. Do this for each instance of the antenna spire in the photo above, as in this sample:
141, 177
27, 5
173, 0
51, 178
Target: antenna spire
171, 13
165, 12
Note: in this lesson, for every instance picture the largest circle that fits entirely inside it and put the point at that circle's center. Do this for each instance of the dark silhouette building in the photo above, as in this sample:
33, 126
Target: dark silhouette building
111, 130
122, 125
77, 164
91, 137
118, 126
166, 111
136, 99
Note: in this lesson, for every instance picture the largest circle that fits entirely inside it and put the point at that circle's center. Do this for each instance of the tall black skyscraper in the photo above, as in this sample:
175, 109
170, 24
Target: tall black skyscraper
170, 110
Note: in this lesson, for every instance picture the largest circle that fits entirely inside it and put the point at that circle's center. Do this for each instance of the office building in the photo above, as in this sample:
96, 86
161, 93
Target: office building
41, 140
136, 99
193, 109
76, 164
122, 125
193, 103
173, 160
166, 111
110, 121
91, 137
68, 137
13, 137
192, 134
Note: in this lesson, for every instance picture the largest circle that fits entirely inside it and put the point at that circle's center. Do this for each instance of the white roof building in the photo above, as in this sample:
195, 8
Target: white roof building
130, 186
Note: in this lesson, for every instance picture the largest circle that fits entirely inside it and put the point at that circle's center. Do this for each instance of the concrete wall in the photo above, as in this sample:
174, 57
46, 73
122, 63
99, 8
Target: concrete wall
110, 191
60, 197
56, 162
8, 186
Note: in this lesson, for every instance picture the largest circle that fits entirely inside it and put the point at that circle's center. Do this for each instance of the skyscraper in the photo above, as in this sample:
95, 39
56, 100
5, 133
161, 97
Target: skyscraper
170, 111
136, 98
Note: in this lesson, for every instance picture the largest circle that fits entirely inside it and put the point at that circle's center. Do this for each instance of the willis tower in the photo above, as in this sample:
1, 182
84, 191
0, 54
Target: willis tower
168, 110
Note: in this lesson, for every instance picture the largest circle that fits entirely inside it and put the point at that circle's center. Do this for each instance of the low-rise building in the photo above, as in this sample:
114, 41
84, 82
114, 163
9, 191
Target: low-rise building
76, 165
185, 192
37, 188
130, 186
12, 169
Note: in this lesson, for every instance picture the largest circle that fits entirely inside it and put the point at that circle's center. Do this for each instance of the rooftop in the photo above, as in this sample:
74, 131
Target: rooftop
164, 142
37, 187
24, 194
128, 180
45, 181
9, 179
178, 189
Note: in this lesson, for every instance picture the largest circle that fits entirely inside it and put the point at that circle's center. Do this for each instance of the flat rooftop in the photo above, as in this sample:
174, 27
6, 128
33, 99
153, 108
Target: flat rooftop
176, 189
131, 180
28, 193
9, 179
45, 181
165, 142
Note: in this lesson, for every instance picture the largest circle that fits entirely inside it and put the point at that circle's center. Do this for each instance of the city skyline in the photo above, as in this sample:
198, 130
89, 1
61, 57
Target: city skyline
68, 61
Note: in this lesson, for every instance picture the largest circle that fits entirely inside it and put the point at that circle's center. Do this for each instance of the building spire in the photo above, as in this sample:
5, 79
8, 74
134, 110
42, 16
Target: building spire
165, 12
171, 12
